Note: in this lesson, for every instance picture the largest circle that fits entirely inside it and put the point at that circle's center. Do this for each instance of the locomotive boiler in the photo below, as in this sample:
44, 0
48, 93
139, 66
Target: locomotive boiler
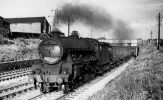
67, 61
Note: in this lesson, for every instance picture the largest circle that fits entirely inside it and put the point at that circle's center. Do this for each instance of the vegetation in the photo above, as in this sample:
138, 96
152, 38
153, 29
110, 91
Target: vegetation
4, 32
18, 49
3, 36
143, 80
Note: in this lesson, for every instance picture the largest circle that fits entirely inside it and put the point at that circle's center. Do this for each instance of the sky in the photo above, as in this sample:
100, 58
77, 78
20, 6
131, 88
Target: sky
140, 16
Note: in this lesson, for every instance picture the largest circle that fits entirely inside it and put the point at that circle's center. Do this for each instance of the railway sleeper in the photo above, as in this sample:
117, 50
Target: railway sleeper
15, 87
25, 71
16, 93
17, 70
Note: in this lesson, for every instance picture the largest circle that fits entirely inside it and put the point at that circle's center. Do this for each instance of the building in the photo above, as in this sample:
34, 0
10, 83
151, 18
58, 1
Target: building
35, 25
25, 27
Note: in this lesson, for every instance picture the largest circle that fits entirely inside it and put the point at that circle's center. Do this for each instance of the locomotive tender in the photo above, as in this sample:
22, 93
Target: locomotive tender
67, 61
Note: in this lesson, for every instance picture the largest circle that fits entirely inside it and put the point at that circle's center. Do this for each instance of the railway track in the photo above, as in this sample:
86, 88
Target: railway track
84, 92
61, 96
12, 90
21, 87
53, 95
14, 74
11, 70
80, 90
12, 77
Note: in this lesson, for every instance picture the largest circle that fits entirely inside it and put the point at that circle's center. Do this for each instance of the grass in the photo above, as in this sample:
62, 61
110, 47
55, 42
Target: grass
143, 80
19, 49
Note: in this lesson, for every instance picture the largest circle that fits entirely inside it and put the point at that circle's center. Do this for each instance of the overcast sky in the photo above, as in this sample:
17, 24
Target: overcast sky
139, 15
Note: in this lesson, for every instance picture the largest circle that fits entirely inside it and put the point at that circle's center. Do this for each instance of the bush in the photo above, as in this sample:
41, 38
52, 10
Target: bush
4, 32
18, 49
21, 41
5, 40
1, 39
3, 36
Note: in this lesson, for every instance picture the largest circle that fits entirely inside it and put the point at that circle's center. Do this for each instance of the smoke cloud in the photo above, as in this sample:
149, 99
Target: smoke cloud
122, 30
95, 18
85, 14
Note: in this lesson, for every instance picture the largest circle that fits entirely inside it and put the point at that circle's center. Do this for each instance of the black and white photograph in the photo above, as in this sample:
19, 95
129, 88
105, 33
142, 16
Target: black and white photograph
81, 50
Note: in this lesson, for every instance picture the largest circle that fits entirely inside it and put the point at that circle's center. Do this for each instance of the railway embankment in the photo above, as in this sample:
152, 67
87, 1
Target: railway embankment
142, 80
18, 49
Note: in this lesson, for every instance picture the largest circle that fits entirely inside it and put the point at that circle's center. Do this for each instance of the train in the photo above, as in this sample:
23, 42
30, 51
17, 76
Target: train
73, 60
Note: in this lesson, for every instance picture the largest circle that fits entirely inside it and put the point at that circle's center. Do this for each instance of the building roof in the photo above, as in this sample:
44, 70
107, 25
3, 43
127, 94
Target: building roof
25, 20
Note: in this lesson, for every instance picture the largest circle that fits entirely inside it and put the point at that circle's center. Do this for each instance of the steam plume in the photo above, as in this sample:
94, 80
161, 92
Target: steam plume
122, 30
85, 14
93, 17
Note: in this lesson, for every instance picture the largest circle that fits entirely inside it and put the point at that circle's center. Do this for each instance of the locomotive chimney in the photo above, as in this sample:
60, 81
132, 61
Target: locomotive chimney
68, 25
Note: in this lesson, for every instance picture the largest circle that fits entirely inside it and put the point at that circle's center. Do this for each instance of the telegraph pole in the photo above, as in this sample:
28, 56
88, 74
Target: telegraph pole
68, 25
151, 34
159, 24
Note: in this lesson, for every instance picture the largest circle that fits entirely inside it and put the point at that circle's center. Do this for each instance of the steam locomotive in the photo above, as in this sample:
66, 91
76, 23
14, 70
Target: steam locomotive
69, 61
